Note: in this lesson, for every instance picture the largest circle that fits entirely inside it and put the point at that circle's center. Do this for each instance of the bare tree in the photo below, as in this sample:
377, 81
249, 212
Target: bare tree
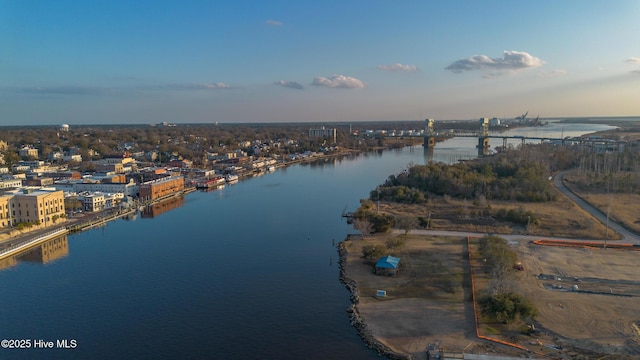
363, 226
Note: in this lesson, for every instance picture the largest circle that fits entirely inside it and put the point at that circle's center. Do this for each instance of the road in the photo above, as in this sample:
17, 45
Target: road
627, 236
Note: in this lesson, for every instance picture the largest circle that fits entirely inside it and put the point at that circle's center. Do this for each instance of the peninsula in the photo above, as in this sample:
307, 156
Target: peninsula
584, 292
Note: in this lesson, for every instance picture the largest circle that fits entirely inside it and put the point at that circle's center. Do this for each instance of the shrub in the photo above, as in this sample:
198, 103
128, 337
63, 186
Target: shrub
507, 307
371, 253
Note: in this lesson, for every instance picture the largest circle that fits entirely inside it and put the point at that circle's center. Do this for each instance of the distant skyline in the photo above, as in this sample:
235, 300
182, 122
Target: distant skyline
121, 62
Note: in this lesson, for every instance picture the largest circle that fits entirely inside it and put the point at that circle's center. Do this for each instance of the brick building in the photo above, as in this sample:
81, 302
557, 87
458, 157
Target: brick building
156, 189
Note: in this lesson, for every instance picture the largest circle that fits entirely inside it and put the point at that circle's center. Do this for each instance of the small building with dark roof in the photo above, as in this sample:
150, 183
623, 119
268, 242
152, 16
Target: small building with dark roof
387, 265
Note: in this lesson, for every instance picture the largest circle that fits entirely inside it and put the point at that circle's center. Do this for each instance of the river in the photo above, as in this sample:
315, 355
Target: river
248, 271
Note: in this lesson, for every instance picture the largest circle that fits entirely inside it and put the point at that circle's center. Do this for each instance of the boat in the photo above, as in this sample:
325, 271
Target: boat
231, 177
209, 183
271, 168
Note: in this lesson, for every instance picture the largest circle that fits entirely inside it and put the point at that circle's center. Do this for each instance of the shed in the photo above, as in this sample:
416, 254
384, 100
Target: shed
387, 265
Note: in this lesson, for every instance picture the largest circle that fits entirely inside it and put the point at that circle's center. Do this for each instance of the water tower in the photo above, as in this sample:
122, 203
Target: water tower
64, 128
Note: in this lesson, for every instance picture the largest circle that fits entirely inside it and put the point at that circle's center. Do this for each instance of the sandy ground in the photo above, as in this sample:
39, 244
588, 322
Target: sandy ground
602, 323
428, 302
432, 303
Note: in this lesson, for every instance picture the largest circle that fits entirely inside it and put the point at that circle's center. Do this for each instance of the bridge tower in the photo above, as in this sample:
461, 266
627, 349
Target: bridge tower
430, 134
483, 138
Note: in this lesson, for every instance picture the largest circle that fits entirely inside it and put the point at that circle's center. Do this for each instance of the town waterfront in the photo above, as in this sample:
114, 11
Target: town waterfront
247, 271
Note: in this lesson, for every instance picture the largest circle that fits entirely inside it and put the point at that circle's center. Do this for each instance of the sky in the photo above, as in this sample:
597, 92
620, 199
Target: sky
144, 62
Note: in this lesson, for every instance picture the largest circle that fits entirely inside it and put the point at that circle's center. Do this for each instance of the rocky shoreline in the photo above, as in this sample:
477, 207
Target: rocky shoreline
354, 314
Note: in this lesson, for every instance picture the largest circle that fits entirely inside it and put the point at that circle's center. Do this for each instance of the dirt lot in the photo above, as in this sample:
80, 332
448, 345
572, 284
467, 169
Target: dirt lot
425, 303
429, 301
602, 323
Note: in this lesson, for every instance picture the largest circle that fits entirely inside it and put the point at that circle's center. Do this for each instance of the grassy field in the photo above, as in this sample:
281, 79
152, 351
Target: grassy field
560, 218
622, 207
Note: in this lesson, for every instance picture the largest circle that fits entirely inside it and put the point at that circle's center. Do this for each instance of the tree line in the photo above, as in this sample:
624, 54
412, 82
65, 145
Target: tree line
498, 179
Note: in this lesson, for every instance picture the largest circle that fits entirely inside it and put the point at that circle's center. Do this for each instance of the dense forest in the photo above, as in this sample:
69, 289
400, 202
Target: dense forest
500, 179
514, 175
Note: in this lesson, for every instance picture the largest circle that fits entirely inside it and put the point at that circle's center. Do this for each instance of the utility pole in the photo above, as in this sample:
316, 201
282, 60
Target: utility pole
378, 188
608, 211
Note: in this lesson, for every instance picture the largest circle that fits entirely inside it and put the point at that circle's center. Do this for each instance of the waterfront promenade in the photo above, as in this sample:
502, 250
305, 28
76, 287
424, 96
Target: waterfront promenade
12, 244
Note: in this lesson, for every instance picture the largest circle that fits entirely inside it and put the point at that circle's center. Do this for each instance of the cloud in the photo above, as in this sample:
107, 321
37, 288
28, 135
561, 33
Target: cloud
553, 73
274, 23
289, 84
63, 90
633, 60
636, 72
339, 81
95, 90
196, 86
511, 61
398, 68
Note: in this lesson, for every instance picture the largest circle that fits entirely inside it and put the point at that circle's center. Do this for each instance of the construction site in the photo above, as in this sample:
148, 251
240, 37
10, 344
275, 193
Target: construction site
587, 300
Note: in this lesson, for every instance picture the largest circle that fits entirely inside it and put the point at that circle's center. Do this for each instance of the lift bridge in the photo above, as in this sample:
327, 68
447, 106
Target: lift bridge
484, 136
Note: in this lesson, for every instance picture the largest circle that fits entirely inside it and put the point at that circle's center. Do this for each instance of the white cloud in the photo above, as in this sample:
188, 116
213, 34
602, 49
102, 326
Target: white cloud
511, 61
274, 23
553, 73
339, 81
633, 60
289, 84
398, 67
64, 90
197, 86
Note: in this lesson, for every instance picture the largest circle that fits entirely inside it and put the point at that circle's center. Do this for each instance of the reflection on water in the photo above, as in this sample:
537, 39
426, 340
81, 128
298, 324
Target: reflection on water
212, 278
158, 209
44, 253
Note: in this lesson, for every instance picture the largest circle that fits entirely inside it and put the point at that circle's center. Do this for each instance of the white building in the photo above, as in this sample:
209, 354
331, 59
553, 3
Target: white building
10, 183
75, 157
128, 189
92, 202
322, 132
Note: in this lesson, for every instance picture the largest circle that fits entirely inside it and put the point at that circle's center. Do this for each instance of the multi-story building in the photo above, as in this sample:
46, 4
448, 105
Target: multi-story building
35, 164
28, 151
109, 167
10, 183
155, 189
5, 208
72, 158
182, 164
328, 133
92, 202
37, 181
42, 208
128, 189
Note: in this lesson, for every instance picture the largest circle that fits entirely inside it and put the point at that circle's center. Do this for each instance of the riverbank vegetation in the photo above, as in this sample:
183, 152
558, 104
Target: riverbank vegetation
511, 192
498, 178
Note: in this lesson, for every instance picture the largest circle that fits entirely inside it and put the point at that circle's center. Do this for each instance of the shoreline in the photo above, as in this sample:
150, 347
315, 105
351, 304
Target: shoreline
354, 314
